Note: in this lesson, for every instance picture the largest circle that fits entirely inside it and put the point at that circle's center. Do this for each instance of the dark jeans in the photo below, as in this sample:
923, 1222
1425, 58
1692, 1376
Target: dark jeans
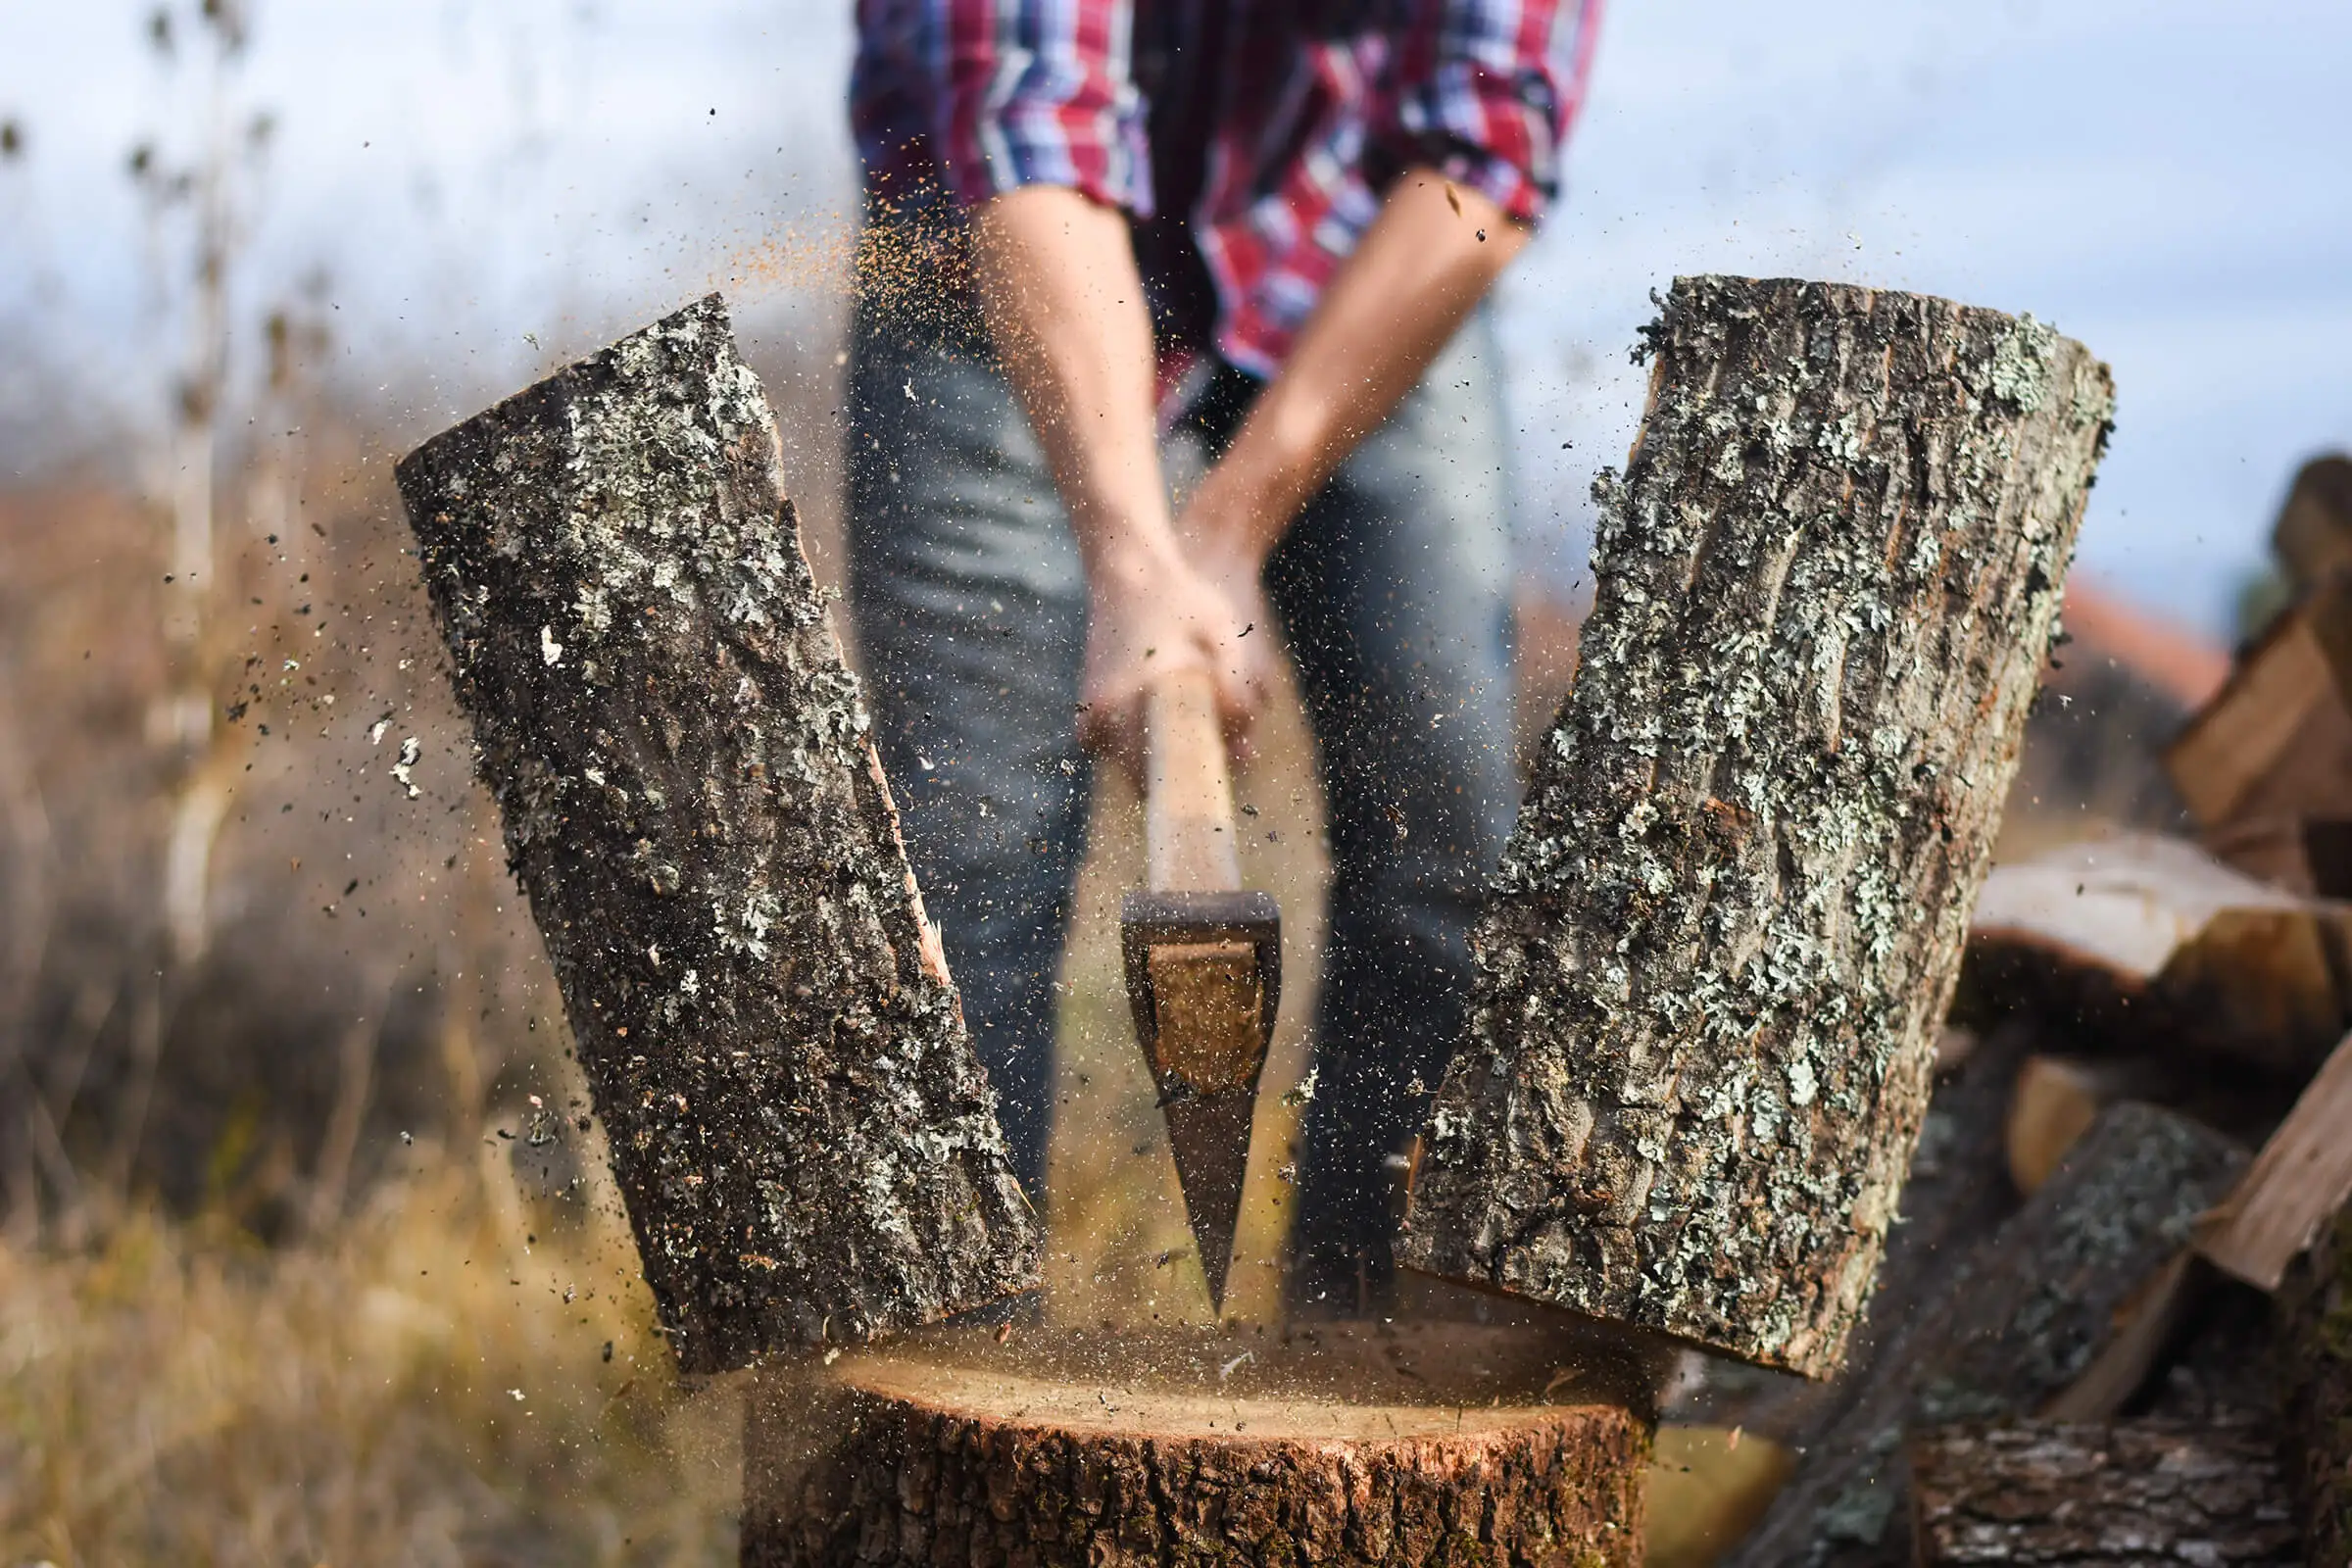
1393, 588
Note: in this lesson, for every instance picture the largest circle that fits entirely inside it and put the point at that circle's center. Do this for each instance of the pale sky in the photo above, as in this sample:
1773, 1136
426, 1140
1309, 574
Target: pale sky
2167, 182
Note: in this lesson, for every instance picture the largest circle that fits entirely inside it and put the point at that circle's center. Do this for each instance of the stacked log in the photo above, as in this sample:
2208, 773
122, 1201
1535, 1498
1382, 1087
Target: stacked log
2149, 943
2135, 1492
2315, 1338
2044, 1311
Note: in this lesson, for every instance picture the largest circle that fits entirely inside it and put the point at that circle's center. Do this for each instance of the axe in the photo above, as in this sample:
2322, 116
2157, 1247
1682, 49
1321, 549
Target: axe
1203, 962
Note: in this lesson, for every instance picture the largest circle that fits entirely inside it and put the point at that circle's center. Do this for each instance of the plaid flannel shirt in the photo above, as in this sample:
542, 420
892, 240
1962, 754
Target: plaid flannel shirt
1250, 140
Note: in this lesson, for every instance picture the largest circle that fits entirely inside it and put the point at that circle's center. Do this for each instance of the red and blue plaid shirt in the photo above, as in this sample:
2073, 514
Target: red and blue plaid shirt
1250, 140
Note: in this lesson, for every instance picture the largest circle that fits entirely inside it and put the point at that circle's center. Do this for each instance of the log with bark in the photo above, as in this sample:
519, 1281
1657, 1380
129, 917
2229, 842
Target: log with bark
805, 1142
2067, 1306
2314, 1318
1725, 931
2154, 1492
2144, 943
2057, 1098
1333, 1449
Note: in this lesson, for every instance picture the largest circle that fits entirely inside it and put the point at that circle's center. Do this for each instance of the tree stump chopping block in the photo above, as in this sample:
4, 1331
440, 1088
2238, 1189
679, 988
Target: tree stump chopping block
805, 1142
891, 1461
1712, 966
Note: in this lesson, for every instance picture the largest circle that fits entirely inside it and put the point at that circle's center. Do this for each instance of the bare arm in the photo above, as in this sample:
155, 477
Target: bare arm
1066, 307
1421, 268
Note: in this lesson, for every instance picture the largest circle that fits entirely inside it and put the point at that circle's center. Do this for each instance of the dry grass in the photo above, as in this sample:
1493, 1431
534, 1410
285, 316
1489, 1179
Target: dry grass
429, 1387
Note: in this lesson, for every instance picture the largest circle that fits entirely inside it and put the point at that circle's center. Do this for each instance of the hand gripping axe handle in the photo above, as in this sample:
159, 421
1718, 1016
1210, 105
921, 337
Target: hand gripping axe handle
1203, 962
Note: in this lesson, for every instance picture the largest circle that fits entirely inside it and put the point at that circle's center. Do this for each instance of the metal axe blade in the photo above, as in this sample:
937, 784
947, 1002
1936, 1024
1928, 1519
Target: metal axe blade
1204, 982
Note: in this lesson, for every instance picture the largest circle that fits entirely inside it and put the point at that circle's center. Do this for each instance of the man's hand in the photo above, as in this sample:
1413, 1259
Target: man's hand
1146, 620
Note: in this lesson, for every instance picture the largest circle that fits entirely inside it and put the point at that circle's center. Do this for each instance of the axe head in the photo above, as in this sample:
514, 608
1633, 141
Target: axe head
1204, 978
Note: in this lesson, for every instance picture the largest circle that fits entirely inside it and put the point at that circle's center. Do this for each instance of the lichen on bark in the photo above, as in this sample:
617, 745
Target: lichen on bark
1727, 925
805, 1140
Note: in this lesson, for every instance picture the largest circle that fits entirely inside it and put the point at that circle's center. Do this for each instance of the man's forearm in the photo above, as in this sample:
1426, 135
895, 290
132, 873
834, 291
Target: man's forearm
1066, 307
1413, 279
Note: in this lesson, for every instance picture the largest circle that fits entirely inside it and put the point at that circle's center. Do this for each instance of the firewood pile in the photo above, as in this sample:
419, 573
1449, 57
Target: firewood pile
2113, 1324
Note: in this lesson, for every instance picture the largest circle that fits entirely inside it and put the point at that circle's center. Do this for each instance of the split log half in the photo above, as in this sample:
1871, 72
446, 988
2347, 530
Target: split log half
2077, 1294
2148, 943
1325, 1455
805, 1142
1726, 929
2054, 1104
2056, 1100
2314, 1314
2158, 1492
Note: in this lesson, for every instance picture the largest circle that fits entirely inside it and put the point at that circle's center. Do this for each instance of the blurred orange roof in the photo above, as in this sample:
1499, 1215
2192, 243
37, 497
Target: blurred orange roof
2167, 655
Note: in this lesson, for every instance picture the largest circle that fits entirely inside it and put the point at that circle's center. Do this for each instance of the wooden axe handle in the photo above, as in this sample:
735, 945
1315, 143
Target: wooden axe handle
1188, 798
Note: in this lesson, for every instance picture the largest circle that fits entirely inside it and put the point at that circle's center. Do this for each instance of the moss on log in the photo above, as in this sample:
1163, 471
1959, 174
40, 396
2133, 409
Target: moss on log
1727, 926
888, 1461
804, 1139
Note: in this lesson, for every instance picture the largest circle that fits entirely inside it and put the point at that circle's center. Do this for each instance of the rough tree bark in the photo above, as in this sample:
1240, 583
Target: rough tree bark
807, 1143
894, 1462
2071, 1278
2314, 1312
2103, 1496
1727, 926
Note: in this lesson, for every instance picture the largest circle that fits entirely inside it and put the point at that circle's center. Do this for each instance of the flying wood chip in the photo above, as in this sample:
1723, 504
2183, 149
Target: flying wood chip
807, 1143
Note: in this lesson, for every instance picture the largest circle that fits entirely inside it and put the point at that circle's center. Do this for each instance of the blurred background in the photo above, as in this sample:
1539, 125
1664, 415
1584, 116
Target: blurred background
304, 1256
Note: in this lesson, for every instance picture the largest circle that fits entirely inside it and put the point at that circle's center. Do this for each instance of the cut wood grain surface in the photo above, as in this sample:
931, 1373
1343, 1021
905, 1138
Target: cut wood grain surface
1725, 931
2276, 740
2103, 1496
2313, 535
2054, 1104
805, 1142
2311, 855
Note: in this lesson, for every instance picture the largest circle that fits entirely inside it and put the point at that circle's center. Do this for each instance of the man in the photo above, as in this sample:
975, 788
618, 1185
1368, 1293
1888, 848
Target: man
1286, 216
